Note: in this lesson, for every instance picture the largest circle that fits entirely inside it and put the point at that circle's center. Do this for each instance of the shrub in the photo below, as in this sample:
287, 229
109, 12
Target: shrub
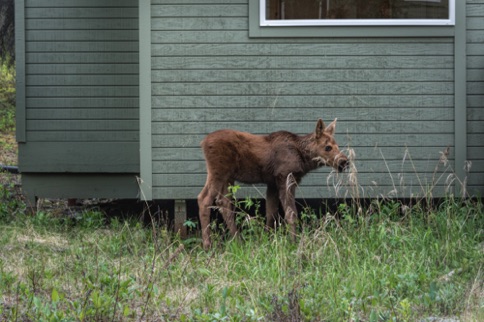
7, 97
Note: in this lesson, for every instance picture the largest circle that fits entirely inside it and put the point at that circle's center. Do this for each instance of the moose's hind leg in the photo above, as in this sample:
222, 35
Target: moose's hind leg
205, 201
272, 206
287, 192
226, 207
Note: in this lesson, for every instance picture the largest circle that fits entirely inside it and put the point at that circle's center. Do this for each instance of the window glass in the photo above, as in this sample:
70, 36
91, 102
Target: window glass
370, 10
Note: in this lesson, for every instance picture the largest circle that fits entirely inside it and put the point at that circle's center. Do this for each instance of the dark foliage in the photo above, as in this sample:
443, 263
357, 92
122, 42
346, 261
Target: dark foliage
7, 31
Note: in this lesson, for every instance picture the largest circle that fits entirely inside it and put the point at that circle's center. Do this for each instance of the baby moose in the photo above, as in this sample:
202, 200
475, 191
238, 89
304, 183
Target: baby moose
279, 160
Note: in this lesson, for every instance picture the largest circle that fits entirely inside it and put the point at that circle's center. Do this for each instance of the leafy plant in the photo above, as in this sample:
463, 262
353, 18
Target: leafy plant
7, 97
10, 203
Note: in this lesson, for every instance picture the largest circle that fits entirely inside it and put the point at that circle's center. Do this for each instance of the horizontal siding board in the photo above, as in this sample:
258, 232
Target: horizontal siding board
475, 152
476, 101
476, 127
474, 140
303, 62
289, 75
94, 69
303, 49
80, 47
87, 137
316, 179
319, 103
475, 114
475, 36
355, 127
80, 91
475, 23
398, 154
475, 75
88, 102
83, 3
81, 35
395, 167
366, 140
82, 125
475, 10
303, 114
80, 12
216, 10
475, 88
417, 183
203, 23
80, 58
126, 23
306, 88
475, 49
240, 36
475, 62
82, 80
83, 114
196, 36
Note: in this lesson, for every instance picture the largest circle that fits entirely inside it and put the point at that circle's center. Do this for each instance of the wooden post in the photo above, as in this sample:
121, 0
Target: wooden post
180, 217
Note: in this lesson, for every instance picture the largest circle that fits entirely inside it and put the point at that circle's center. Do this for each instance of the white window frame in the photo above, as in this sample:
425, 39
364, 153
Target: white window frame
356, 22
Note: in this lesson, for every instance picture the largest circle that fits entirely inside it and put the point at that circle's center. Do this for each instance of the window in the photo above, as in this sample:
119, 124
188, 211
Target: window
356, 12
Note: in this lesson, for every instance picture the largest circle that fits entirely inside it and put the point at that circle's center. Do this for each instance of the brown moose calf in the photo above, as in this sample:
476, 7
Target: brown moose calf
279, 160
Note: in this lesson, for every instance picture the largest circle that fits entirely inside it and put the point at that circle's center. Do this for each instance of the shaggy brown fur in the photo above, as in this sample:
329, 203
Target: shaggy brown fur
279, 160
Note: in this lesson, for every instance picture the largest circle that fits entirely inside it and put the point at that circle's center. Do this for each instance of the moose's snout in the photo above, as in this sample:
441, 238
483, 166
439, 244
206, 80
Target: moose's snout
343, 165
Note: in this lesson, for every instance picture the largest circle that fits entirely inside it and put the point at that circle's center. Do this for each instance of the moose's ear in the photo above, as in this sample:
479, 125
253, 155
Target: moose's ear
331, 127
319, 129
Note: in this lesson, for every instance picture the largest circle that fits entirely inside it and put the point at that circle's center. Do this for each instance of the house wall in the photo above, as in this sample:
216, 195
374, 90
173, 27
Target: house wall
393, 97
475, 94
79, 102
81, 87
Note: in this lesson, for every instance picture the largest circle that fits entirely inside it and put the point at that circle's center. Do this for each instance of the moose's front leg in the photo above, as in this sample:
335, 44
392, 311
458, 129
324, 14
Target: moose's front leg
287, 189
272, 205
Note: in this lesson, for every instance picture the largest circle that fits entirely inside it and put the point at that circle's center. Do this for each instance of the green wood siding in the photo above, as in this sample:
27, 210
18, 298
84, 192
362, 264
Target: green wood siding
113, 89
390, 95
81, 87
475, 94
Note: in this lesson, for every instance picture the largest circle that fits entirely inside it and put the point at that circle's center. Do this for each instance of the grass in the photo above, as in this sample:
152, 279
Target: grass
7, 97
8, 145
378, 266
379, 262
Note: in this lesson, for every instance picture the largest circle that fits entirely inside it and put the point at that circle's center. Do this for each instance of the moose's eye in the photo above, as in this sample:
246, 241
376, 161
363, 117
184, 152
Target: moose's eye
328, 148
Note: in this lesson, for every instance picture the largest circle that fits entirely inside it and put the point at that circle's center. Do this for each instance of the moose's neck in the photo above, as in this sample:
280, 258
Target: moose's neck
307, 147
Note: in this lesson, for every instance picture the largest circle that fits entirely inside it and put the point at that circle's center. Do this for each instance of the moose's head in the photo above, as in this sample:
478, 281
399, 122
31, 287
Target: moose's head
325, 150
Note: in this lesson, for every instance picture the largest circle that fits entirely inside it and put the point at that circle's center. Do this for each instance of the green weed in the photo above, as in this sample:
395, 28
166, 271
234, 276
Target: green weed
10, 203
375, 267
7, 97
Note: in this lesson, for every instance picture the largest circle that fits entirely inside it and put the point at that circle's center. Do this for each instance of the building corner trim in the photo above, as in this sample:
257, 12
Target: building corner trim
146, 173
